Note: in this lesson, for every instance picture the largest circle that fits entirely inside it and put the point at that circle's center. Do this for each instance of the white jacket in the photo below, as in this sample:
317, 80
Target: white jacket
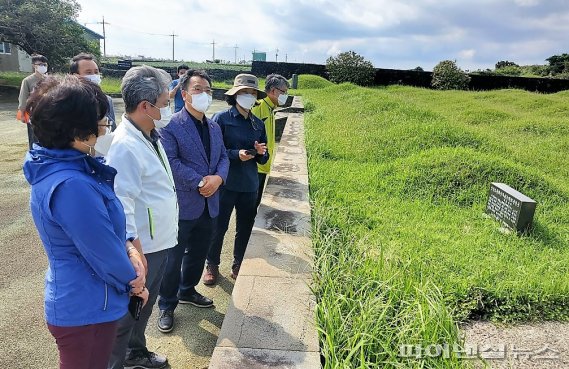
145, 187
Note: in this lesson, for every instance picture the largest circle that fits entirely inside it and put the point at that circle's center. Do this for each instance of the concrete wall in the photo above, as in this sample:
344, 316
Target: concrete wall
270, 322
9, 62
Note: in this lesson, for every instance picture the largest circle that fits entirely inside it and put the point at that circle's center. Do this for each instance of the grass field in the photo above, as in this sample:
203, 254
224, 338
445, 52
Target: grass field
399, 179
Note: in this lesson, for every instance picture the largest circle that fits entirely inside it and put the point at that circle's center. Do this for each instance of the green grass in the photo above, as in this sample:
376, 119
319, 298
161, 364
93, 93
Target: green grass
111, 85
309, 81
399, 178
12, 78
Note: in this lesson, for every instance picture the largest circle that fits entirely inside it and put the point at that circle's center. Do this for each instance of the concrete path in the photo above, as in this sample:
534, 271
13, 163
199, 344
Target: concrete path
25, 341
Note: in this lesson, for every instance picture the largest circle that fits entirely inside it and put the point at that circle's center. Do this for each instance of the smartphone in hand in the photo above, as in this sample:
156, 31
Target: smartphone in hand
135, 306
251, 152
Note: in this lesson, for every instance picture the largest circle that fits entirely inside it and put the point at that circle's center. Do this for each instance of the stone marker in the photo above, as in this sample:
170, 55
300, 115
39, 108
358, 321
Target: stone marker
512, 208
294, 81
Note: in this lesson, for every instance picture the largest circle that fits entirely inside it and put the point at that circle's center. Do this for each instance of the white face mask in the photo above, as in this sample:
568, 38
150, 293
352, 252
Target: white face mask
41, 69
282, 99
95, 78
165, 115
246, 101
103, 143
201, 102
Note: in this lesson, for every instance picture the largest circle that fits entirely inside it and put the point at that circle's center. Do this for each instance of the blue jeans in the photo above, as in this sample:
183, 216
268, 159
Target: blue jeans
194, 238
245, 204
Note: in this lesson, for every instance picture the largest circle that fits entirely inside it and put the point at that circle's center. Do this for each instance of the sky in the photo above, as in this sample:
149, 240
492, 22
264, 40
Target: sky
390, 34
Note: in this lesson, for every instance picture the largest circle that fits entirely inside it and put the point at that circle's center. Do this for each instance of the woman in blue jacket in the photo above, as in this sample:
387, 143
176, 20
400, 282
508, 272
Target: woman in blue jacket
92, 269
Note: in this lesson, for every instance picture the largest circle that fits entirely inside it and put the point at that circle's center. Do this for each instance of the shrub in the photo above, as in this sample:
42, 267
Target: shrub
505, 63
510, 70
448, 76
350, 67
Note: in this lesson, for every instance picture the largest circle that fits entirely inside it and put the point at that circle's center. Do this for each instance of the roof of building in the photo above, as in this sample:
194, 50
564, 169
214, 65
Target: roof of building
91, 32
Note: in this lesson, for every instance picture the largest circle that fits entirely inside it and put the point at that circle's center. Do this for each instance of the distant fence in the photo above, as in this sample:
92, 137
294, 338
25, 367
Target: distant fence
262, 69
216, 74
478, 82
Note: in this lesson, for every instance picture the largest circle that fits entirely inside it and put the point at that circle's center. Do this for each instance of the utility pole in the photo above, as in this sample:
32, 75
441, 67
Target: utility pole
173, 35
104, 35
277, 56
235, 47
213, 53
286, 58
104, 39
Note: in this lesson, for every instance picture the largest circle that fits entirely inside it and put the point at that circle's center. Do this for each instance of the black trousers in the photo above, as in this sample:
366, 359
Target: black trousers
245, 212
262, 179
186, 260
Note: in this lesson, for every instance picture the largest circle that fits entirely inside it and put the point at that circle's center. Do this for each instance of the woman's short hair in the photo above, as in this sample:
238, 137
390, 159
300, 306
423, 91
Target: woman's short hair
143, 83
63, 108
231, 100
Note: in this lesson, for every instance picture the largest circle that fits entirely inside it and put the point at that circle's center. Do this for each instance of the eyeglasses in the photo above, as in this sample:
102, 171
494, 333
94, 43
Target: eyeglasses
41, 64
199, 90
105, 120
167, 105
284, 92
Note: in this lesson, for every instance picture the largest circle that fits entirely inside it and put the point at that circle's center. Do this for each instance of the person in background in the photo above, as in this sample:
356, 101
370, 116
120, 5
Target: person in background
194, 145
85, 65
276, 88
174, 89
92, 268
245, 140
39, 65
145, 186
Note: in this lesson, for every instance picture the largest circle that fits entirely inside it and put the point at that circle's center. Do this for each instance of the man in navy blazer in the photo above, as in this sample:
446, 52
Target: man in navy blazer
197, 156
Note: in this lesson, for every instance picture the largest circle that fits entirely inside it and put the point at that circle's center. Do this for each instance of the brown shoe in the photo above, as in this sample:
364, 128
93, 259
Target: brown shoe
235, 271
210, 275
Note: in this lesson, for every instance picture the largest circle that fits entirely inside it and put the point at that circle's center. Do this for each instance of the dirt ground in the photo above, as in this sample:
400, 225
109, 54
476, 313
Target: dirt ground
524, 346
26, 342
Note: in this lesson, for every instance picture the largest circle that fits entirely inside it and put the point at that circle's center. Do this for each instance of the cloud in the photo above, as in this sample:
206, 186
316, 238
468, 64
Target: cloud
401, 34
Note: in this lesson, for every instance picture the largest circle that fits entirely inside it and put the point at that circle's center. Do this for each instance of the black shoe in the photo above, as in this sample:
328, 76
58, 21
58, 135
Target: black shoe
144, 359
166, 321
197, 299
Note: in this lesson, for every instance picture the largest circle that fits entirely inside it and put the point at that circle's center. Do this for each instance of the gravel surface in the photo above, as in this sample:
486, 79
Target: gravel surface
524, 346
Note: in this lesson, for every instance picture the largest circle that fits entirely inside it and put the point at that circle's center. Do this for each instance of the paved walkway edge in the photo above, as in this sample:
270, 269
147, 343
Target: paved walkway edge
270, 321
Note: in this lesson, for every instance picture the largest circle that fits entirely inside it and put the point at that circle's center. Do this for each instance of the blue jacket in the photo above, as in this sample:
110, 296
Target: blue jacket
238, 134
82, 226
189, 163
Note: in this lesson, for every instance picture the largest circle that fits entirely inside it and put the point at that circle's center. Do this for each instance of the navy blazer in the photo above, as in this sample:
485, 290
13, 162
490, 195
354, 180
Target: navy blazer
189, 163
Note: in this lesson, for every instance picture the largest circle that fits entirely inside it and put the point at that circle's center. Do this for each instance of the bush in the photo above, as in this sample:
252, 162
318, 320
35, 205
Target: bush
350, 67
511, 70
505, 63
448, 76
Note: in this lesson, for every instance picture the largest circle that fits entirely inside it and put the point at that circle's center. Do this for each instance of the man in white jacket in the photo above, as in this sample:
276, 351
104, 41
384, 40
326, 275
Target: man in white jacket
145, 186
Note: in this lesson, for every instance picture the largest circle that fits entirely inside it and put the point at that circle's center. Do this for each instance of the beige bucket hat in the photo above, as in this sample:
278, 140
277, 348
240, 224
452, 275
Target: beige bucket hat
244, 80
